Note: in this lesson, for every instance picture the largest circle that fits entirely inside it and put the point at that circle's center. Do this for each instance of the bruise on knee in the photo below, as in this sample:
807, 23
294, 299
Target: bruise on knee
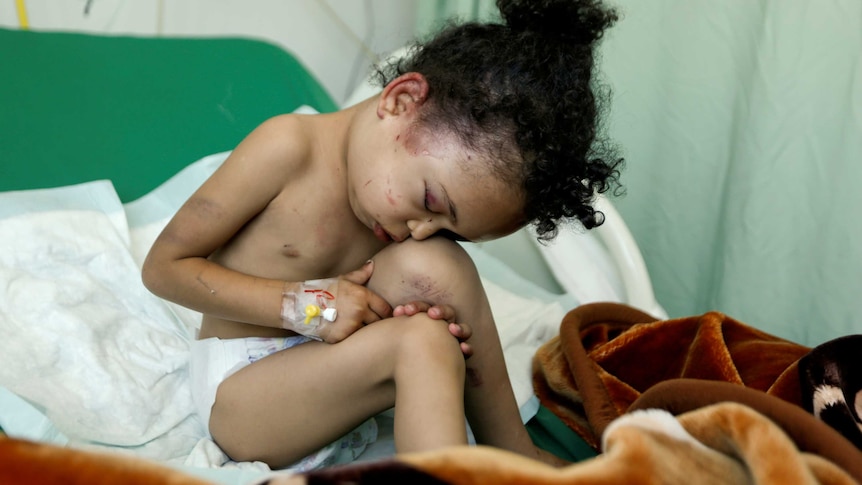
436, 271
426, 288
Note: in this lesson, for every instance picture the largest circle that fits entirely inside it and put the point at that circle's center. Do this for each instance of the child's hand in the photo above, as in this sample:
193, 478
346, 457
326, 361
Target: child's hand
357, 305
461, 331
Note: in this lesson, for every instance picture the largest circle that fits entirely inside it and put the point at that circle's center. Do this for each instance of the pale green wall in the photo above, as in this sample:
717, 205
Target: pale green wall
432, 13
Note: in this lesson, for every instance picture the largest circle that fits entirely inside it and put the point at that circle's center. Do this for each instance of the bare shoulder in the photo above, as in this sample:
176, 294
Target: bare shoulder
283, 140
275, 154
271, 158
292, 143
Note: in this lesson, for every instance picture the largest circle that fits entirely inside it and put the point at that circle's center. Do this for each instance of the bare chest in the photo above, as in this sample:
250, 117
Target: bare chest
298, 239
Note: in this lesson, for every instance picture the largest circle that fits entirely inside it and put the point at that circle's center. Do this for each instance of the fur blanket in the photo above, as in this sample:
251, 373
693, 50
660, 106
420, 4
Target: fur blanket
610, 360
725, 443
30, 463
608, 354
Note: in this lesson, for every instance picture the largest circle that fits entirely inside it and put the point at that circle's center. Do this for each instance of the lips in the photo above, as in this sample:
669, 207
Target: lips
382, 234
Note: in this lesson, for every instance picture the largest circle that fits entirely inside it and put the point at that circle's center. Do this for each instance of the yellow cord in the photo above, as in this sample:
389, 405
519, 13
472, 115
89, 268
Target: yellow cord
22, 14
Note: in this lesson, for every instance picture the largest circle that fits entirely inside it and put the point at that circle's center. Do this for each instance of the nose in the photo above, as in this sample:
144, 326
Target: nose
422, 228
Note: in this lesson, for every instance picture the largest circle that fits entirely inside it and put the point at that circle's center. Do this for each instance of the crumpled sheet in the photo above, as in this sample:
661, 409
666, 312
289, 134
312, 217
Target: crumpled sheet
84, 341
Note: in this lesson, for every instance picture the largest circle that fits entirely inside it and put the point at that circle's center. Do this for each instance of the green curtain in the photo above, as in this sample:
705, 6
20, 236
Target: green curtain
741, 124
432, 14
742, 128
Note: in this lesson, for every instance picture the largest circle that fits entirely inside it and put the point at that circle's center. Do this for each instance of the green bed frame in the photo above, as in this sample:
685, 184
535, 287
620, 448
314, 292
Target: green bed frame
77, 107
136, 110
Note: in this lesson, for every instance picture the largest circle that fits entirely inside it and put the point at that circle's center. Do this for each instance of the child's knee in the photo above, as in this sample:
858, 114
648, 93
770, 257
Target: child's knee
428, 255
421, 270
427, 342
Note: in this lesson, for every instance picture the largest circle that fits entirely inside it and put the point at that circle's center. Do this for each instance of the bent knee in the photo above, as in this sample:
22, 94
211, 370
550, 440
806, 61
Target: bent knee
425, 339
432, 270
427, 255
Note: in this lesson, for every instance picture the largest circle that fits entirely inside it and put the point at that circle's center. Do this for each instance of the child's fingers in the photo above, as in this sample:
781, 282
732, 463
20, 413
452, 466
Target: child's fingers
466, 349
378, 308
410, 309
461, 331
442, 312
437, 312
362, 275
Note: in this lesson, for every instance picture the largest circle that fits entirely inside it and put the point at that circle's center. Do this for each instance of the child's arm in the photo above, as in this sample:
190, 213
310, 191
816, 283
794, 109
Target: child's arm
177, 267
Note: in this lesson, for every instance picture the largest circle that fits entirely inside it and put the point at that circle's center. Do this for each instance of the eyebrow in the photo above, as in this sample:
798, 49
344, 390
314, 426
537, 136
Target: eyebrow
451, 205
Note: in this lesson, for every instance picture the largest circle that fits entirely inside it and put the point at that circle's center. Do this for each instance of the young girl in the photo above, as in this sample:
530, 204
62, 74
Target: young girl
484, 129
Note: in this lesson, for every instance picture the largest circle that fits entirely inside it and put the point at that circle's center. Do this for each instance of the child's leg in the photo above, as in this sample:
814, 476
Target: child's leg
439, 271
291, 403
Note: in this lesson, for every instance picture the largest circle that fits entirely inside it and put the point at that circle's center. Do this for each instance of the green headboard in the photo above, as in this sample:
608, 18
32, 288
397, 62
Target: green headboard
78, 107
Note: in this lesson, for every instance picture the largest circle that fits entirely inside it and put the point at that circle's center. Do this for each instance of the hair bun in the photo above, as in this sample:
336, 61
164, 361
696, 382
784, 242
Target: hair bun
576, 21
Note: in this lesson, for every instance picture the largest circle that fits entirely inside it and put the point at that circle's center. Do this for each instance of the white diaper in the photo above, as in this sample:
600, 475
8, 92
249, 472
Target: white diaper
213, 360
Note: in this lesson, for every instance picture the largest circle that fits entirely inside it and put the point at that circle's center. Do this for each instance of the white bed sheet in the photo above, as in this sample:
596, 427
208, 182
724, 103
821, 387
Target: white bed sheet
90, 358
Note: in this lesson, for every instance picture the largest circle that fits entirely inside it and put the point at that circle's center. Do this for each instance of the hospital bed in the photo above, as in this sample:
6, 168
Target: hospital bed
101, 140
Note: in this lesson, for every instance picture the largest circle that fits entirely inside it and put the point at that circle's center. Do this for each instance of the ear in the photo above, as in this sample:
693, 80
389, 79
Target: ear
403, 94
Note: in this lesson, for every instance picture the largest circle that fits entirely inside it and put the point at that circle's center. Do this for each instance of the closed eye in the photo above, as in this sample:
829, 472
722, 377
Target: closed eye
430, 201
437, 206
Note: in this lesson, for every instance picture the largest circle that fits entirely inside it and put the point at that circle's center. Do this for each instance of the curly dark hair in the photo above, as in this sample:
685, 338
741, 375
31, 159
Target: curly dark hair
531, 80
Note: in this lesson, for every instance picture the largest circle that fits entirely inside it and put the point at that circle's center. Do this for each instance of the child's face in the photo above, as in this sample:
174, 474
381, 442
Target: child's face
419, 184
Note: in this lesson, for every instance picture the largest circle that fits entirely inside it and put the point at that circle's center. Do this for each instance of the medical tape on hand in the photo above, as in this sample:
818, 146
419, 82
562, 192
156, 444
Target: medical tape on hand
310, 308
